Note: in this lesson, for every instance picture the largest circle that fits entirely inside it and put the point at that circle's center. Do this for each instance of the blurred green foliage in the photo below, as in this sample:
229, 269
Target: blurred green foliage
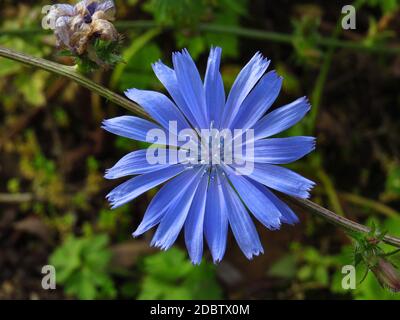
385, 5
170, 275
186, 15
393, 180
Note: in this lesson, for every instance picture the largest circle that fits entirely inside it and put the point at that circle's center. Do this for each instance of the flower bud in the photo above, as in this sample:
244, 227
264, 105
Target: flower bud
78, 27
105, 30
387, 275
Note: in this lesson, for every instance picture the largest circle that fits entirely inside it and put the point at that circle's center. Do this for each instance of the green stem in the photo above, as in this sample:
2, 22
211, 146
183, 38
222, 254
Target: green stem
289, 38
249, 33
330, 191
70, 73
316, 96
119, 100
377, 206
392, 253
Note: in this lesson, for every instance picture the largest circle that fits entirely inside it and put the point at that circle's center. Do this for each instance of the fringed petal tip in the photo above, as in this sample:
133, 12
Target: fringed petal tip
107, 174
262, 61
306, 101
313, 141
115, 205
254, 254
110, 124
215, 52
195, 262
114, 200
309, 188
160, 245
177, 55
129, 92
185, 53
275, 226
304, 190
155, 65
304, 194
104, 124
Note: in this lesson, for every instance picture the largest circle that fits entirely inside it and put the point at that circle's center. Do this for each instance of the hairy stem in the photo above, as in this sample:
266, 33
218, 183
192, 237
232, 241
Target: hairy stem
119, 100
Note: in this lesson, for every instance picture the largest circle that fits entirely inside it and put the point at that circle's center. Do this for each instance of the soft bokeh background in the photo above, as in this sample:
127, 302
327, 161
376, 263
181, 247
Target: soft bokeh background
53, 152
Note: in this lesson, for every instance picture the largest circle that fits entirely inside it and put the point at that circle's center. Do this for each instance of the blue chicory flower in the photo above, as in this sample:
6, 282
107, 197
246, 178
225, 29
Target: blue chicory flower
207, 198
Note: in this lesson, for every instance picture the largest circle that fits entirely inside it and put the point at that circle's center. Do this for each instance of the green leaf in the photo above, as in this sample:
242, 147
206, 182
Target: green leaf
321, 275
32, 87
284, 267
393, 180
82, 267
305, 272
169, 275
8, 67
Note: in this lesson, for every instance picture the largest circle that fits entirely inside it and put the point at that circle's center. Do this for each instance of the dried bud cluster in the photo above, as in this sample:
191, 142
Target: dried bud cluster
76, 26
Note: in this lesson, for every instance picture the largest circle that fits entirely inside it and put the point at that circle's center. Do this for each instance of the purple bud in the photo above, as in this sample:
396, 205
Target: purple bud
387, 274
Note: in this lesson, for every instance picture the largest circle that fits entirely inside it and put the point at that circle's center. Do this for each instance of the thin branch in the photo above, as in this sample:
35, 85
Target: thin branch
249, 33
15, 197
288, 39
374, 205
119, 100
317, 93
71, 73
